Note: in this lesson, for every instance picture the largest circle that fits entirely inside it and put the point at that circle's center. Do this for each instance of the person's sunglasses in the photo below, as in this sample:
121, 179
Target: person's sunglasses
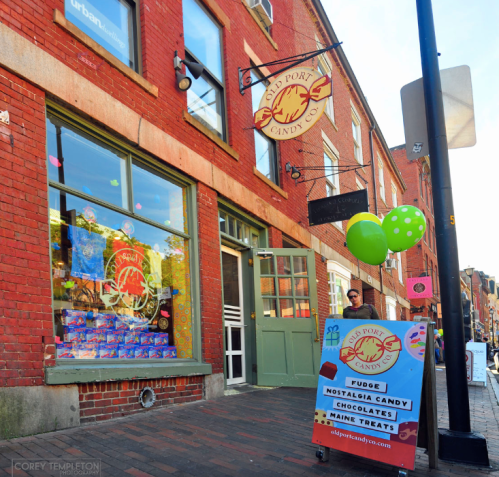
352, 296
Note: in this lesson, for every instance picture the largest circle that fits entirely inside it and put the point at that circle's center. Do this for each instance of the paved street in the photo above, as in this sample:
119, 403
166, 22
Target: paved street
264, 432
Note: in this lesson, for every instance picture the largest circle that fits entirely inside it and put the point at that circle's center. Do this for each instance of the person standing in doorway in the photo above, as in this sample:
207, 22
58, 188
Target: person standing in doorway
358, 310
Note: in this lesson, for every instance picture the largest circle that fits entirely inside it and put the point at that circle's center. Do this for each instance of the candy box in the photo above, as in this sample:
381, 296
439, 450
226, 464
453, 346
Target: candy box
108, 351
73, 319
86, 350
121, 325
138, 324
147, 339
132, 338
126, 351
169, 351
74, 334
95, 336
66, 312
141, 352
155, 352
65, 350
105, 316
115, 337
104, 323
160, 339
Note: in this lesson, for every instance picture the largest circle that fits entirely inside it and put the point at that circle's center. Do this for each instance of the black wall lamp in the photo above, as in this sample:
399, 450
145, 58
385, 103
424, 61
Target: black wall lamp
295, 173
183, 81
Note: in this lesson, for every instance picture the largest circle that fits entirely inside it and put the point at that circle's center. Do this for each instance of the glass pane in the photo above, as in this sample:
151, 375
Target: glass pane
80, 161
270, 307
302, 309
105, 279
237, 366
246, 235
263, 155
285, 288
283, 266
223, 221
158, 199
286, 306
204, 102
239, 230
235, 334
301, 287
354, 130
227, 366
300, 265
257, 92
254, 241
202, 37
267, 286
231, 226
342, 286
230, 274
226, 337
266, 266
109, 23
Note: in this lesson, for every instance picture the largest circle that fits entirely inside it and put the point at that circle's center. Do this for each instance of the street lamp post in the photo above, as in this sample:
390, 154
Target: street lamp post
470, 271
457, 443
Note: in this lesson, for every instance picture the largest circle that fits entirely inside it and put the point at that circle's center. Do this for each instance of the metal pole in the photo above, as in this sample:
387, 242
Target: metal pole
473, 324
450, 289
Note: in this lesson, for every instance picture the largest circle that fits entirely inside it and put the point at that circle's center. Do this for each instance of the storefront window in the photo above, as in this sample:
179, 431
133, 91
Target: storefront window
120, 272
111, 24
338, 287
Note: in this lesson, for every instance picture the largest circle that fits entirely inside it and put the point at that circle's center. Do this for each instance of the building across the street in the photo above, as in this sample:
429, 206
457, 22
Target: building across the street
155, 248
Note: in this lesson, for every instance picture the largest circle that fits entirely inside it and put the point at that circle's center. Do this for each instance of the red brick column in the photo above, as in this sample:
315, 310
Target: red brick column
26, 329
210, 279
275, 238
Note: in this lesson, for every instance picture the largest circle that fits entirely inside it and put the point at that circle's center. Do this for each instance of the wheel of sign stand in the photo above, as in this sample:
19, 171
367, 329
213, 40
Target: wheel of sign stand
403, 473
322, 454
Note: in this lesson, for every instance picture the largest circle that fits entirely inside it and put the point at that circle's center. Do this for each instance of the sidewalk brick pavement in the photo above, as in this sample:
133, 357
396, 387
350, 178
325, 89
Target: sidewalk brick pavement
260, 433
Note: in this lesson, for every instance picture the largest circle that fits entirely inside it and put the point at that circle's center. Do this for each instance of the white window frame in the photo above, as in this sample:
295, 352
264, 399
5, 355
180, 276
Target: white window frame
360, 186
399, 267
357, 142
333, 181
391, 304
394, 195
335, 270
326, 65
381, 179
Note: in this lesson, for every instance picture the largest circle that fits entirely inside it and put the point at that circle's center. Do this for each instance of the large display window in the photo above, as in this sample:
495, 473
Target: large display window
119, 250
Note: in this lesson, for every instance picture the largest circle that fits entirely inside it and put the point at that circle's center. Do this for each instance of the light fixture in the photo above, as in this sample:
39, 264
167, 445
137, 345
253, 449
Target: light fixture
60, 263
183, 81
295, 173
469, 271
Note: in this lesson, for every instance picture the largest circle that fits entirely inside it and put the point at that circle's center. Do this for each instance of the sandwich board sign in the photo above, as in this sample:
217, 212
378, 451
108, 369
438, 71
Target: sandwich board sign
479, 362
370, 387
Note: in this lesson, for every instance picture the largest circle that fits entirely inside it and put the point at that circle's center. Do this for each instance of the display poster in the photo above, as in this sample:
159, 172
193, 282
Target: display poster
419, 287
369, 389
479, 351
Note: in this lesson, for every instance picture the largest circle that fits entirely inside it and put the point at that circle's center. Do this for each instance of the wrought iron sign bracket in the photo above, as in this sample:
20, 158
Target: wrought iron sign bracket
245, 83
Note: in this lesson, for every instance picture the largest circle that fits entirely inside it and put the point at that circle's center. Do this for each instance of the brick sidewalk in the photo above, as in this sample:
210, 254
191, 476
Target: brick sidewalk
259, 433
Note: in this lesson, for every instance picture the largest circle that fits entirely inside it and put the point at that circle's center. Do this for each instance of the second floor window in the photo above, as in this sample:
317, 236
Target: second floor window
331, 170
357, 142
381, 179
265, 147
112, 24
394, 195
203, 43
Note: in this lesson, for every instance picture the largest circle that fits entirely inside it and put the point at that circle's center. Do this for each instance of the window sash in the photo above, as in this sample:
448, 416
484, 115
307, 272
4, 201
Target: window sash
381, 180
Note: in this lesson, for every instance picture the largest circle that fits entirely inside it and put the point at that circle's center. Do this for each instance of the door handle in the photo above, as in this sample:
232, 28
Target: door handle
316, 324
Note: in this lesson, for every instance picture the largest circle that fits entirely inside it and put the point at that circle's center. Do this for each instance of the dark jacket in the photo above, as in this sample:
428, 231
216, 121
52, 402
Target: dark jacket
365, 312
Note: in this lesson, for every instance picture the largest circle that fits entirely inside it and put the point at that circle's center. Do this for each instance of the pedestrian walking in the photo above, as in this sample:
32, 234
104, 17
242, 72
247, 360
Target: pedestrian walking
437, 348
358, 310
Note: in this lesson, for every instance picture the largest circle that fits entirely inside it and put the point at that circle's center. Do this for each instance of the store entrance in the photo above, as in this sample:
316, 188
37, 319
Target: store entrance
233, 316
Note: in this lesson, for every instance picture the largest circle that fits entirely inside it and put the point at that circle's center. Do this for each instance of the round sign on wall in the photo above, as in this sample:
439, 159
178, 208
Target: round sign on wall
293, 103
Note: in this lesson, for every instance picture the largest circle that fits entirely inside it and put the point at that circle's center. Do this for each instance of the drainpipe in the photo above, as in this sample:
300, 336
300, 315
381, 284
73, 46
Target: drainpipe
371, 147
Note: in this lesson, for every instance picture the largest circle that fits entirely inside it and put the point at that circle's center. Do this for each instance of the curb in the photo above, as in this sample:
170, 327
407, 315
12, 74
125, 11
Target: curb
494, 384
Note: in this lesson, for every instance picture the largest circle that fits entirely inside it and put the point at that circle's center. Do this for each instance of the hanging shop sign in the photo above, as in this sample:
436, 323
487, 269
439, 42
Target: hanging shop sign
337, 207
369, 390
293, 103
419, 287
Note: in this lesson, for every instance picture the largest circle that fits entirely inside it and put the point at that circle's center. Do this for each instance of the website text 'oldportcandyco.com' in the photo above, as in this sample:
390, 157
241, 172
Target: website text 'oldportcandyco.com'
364, 440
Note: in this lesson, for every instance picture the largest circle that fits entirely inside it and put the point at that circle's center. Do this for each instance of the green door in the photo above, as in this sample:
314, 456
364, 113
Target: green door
287, 341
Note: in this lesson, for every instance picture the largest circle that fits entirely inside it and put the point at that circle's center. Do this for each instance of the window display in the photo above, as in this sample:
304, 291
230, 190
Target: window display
120, 271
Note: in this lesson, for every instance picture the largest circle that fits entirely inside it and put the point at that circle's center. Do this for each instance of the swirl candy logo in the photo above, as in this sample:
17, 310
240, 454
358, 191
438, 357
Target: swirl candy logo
370, 349
293, 103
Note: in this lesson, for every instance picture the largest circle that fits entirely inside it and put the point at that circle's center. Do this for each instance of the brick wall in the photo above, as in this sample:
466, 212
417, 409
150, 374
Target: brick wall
26, 336
102, 401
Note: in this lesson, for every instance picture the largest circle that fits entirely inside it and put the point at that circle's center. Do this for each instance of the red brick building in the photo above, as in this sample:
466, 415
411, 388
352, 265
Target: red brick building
422, 259
480, 322
134, 211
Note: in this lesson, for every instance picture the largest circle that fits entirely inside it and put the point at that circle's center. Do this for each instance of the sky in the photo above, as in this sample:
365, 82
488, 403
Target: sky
381, 42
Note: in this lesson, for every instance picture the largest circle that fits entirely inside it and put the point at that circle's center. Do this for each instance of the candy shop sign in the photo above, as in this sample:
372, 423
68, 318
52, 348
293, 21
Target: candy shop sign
293, 103
369, 389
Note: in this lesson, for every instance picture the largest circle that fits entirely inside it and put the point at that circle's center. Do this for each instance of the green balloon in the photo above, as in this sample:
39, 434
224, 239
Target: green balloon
367, 242
404, 227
